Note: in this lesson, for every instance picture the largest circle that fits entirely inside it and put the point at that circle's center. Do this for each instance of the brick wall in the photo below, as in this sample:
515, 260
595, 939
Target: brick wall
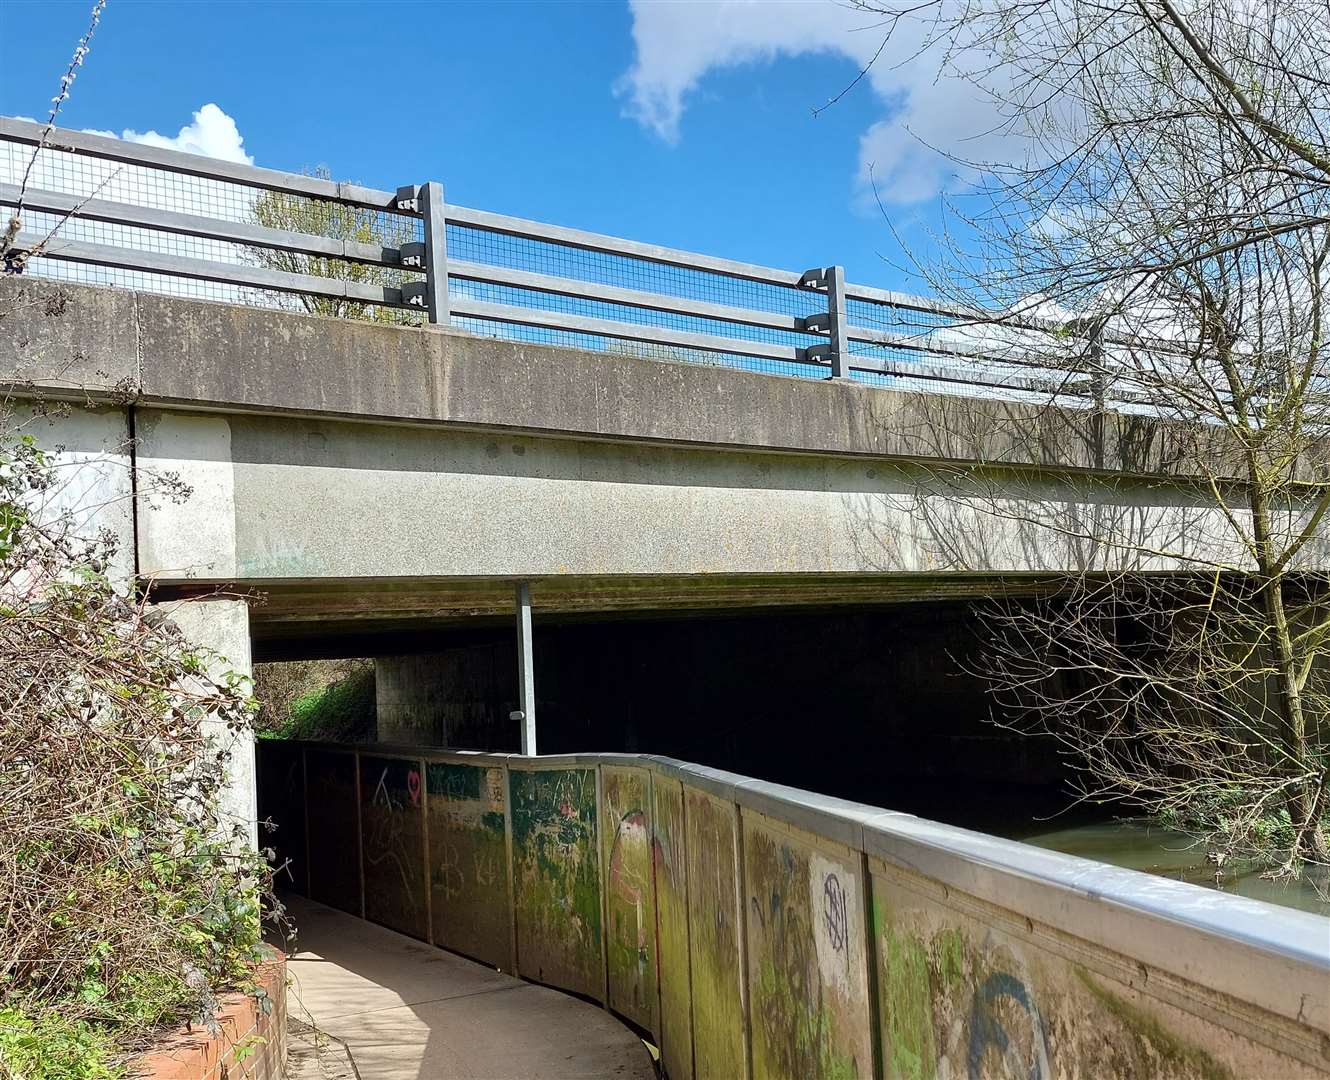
250, 1046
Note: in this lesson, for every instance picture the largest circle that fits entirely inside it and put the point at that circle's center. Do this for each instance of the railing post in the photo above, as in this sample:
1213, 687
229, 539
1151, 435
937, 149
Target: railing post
835, 323
432, 255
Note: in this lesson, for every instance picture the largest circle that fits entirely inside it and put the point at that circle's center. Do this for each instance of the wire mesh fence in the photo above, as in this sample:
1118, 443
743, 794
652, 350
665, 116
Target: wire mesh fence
100, 211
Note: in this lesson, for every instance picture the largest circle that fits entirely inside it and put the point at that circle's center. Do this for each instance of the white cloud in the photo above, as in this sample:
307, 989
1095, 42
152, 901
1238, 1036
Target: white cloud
212, 133
679, 44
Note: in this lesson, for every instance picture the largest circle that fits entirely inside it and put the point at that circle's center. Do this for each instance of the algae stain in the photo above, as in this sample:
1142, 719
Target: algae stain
948, 957
907, 1005
1149, 1032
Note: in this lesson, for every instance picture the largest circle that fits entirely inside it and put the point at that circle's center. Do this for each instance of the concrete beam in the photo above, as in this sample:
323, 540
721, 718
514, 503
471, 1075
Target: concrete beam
229, 358
301, 499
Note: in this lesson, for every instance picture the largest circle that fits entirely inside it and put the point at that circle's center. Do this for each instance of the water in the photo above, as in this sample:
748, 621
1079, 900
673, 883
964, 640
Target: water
1051, 818
1139, 844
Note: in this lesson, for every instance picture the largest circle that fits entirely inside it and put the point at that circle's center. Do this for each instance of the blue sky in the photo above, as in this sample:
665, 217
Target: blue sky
686, 124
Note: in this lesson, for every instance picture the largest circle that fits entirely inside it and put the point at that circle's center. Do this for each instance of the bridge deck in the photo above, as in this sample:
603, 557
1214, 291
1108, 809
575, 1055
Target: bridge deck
406, 1011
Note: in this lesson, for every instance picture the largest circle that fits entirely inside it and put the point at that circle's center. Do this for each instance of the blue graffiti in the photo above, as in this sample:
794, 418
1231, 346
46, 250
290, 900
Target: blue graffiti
986, 1032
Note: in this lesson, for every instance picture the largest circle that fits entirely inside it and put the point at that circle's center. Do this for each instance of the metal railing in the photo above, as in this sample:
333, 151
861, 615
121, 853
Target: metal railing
102, 210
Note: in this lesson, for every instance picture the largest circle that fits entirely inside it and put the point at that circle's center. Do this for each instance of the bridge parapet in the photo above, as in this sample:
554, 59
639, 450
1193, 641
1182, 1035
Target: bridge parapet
754, 929
101, 209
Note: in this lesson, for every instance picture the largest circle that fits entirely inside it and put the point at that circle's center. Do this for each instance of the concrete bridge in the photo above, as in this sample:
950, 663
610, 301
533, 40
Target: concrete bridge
284, 484
375, 483
372, 483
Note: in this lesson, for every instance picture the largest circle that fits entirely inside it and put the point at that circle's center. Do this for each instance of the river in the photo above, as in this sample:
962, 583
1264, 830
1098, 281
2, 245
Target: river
1052, 818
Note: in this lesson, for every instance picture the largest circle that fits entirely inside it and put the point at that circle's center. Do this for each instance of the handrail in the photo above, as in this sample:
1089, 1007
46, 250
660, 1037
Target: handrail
208, 168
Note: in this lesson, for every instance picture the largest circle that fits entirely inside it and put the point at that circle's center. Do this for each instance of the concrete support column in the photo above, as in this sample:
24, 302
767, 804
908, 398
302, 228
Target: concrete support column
412, 698
222, 625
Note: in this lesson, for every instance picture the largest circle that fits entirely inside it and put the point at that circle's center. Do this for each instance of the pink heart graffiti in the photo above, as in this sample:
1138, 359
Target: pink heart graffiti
413, 787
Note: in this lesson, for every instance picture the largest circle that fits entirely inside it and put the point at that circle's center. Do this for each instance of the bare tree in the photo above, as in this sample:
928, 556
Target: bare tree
1158, 243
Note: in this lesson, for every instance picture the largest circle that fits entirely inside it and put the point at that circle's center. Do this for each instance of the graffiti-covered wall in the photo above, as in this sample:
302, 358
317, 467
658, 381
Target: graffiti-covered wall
470, 888
556, 877
756, 931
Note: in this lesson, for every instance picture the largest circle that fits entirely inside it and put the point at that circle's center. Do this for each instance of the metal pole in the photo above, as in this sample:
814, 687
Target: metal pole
436, 252
526, 676
838, 326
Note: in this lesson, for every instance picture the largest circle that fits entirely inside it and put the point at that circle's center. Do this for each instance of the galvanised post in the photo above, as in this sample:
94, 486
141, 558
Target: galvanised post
436, 251
838, 328
430, 256
835, 323
526, 678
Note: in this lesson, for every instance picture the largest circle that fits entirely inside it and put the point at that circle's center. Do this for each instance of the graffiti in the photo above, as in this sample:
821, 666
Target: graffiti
494, 789
556, 874
1020, 1043
630, 902
465, 805
448, 873
413, 786
804, 994
834, 914
483, 868
391, 836
627, 874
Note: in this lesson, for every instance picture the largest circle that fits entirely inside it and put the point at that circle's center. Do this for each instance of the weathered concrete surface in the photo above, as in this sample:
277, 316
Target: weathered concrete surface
406, 1011
71, 341
716, 938
630, 900
675, 1033
281, 499
836, 940
221, 626
92, 473
807, 958
970, 990
415, 697
475, 461
233, 358
392, 831
470, 888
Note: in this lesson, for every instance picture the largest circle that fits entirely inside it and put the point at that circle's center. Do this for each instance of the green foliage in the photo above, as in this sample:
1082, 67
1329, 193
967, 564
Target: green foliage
317, 700
49, 1046
336, 711
130, 902
339, 221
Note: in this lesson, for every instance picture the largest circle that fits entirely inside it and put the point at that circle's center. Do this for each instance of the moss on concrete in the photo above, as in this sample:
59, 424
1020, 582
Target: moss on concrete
1160, 1052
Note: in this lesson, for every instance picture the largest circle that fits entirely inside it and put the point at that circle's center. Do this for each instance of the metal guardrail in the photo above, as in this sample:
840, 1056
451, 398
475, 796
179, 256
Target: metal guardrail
103, 210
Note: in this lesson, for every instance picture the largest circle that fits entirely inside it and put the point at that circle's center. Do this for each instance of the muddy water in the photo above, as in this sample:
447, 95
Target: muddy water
1051, 818
1140, 845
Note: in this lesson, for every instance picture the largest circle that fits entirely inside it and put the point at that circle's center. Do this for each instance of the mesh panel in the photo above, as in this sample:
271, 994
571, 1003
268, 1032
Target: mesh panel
84, 176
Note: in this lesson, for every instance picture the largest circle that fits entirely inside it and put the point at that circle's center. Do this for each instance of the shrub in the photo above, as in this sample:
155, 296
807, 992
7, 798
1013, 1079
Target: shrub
128, 904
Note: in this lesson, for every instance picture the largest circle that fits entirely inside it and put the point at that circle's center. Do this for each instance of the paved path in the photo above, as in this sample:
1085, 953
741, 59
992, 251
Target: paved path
406, 1011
